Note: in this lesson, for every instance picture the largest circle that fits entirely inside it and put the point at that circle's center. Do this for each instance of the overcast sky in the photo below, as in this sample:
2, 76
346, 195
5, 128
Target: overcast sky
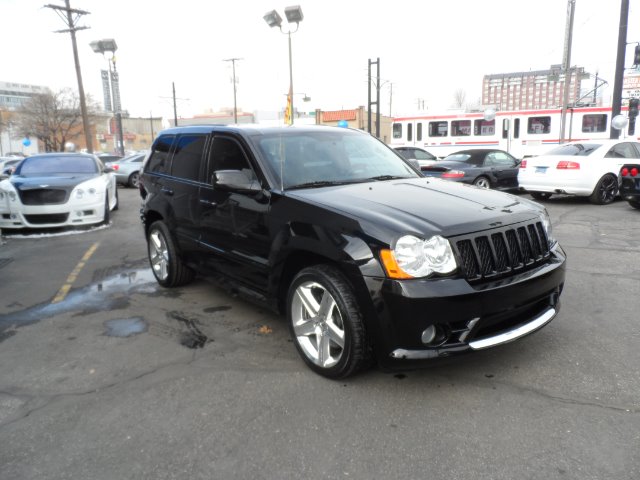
427, 49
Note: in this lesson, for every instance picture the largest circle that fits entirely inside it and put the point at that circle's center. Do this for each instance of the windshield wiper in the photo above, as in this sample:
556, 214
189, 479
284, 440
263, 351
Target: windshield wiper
387, 177
320, 183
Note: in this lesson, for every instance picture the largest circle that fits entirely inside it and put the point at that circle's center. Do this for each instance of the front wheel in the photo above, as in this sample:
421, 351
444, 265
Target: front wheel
165, 263
605, 191
326, 324
482, 182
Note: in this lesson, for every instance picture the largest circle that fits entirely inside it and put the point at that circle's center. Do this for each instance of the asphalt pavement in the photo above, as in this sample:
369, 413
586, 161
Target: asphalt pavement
122, 379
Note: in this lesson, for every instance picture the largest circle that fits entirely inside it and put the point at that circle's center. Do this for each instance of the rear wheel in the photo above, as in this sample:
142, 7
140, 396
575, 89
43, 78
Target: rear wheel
634, 204
134, 180
117, 200
482, 182
326, 324
165, 263
540, 195
605, 191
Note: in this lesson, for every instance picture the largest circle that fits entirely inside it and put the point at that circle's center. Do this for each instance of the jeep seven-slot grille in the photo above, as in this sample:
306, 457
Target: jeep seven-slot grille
502, 252
43, 196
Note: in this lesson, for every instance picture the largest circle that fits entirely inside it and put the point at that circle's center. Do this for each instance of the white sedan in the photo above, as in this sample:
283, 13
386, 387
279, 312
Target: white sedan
587, 168
57, 190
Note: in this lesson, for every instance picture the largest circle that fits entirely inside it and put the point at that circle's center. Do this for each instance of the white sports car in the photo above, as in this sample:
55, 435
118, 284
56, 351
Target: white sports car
587, 168
57, 190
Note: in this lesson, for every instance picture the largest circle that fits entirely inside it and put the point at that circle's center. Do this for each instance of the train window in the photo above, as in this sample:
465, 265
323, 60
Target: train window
438, 129
516, 128
409, 132
594, 123
418, 131
505, 128
460, 128
397, 130
484, 127
539, 125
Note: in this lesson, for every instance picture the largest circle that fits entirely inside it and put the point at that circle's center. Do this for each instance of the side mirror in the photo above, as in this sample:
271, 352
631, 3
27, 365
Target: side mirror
242, 180
108, 170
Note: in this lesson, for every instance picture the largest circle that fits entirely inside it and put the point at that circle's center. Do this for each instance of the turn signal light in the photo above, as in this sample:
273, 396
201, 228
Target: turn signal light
567, 165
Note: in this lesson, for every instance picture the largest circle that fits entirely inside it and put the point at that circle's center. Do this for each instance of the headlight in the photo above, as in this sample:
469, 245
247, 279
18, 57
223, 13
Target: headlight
414, 257
80, 192
546, 224
10, 195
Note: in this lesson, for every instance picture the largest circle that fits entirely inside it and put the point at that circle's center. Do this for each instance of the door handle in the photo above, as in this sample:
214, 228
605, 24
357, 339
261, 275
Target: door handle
166, 191
208, 203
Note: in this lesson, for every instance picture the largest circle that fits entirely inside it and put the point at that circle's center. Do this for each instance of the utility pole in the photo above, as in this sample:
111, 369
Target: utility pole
235, 107
71, 16
616, 103
175, 111
566, 65
377, 102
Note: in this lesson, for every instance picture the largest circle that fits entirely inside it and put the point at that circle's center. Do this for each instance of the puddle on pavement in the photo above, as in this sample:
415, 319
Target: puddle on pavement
125, 327
96, 297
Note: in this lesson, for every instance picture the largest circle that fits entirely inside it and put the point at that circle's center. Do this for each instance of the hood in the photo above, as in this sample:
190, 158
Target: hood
425, 206
64, 182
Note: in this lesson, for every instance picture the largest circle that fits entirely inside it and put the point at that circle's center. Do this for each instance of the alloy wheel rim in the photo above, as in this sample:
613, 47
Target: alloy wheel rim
135, 179
159, 255
608, 190
482, 183
318, 324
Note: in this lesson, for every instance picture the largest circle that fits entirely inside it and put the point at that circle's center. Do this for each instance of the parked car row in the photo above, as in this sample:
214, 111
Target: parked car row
599, 169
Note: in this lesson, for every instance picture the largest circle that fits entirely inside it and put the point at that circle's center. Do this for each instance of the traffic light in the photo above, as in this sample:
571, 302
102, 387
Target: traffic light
636, 56
634, 103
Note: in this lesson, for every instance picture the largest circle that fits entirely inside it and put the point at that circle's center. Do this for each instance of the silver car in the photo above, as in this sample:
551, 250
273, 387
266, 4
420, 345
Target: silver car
127, 170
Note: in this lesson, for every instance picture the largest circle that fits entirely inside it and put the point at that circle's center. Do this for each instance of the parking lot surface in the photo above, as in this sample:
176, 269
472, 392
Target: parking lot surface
106, 375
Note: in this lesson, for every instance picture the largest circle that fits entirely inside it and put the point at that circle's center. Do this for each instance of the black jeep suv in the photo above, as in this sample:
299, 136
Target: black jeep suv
369, 260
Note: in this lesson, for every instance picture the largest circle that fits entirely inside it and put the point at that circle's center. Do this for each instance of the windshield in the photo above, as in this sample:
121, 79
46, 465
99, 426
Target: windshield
329, 157
51, 165
575, 149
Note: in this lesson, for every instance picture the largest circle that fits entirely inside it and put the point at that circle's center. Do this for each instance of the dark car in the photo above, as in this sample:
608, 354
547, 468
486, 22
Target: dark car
420, 155
368, 259
629, 183
480, 167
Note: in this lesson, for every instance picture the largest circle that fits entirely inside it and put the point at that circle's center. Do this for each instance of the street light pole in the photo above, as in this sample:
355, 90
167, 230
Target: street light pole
273, 19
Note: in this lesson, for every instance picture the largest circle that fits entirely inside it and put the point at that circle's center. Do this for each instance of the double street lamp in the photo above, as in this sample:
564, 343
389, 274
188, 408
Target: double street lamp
273, 19
109, 46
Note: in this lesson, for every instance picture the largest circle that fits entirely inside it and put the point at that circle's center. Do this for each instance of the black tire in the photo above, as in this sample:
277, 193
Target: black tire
343, 318
134, 180
634, 204
165, 262
606, 190
540, 195
107, 212
482, 182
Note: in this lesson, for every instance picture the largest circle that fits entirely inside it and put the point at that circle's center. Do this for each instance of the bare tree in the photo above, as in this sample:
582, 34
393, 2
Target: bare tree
54, 118
459, 98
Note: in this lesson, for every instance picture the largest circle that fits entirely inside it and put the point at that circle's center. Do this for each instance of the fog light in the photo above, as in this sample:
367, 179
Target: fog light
429, 335
435, 335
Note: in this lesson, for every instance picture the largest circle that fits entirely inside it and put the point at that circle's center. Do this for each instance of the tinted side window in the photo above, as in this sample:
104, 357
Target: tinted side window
159, 159
622, 150
187, 156
226, 154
